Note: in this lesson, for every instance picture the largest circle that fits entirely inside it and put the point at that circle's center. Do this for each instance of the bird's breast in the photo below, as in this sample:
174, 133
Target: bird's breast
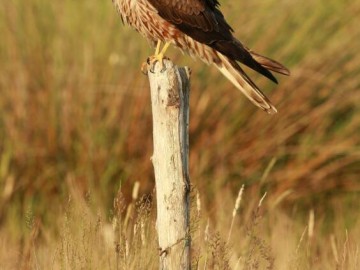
142, 16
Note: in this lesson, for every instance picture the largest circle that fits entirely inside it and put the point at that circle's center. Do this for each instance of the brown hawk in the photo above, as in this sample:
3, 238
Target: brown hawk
199, 28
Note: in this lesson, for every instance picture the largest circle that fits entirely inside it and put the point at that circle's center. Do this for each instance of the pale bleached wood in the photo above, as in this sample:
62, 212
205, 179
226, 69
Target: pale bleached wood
170, 109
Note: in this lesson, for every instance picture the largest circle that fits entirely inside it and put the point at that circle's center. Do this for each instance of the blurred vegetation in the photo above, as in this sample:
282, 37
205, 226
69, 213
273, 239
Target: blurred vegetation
75, 112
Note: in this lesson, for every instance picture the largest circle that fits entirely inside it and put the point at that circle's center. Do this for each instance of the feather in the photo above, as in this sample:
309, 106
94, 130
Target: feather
199, 28
269, 63
233, 72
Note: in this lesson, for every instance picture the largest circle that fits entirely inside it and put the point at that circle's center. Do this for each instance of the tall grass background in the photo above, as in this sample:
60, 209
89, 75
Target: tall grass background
75, 130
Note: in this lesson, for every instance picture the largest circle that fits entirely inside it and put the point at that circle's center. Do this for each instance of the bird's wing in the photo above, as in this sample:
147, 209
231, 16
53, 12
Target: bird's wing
198, 16
204, 22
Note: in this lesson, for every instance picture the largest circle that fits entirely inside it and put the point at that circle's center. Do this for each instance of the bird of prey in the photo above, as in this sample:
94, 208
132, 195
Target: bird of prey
199, 28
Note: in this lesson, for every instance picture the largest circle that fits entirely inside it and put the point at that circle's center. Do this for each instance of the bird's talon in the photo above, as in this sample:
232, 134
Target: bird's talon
152, 60
152, 67
144, 68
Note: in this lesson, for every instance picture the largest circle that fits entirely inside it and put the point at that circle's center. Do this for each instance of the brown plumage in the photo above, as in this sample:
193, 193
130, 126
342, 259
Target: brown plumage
200, 29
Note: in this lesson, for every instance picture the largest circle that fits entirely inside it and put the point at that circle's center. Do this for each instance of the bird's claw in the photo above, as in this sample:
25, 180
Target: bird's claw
163, 67
144, 69
151, 61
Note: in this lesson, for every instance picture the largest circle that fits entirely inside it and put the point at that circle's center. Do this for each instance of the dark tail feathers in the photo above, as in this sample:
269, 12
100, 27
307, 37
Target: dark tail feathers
269, 63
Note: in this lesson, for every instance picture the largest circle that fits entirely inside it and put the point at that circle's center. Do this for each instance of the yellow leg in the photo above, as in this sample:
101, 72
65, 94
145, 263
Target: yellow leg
158, 47
159, 55
152, 59
166, 46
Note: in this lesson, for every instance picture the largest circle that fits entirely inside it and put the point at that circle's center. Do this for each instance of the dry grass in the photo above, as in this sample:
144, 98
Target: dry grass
75, 119
260, 239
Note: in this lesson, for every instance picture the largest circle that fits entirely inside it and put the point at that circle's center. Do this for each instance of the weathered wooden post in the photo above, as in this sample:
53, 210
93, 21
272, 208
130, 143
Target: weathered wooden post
170, 89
